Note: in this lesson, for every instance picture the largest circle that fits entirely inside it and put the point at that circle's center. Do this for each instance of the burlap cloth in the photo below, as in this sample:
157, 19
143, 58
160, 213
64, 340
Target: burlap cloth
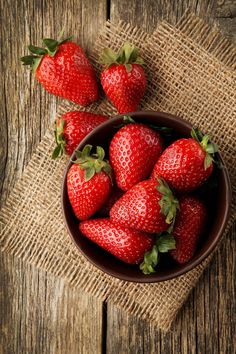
191, 74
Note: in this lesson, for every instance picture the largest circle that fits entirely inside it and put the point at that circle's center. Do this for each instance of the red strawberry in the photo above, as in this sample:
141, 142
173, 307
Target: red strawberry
114, 196
126, 244
189, 225
149, 206
123, 79
71, 128
187, 163
134, 149
64, 70
88, 182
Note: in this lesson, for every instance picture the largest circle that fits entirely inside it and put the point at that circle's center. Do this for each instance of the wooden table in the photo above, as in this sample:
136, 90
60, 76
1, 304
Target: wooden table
39, 313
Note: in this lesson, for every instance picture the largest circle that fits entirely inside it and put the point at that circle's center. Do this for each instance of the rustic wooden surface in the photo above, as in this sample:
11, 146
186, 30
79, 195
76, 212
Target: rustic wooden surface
38, 313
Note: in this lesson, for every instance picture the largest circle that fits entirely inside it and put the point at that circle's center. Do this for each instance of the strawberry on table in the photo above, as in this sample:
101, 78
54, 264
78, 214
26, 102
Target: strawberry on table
133, 151
88, 182
123, 78
126, 244
64, 70
71, 128
187, 163
189, 226
149, 206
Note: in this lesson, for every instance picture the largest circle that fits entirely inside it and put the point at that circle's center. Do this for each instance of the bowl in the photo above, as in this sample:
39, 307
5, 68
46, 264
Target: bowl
217, 195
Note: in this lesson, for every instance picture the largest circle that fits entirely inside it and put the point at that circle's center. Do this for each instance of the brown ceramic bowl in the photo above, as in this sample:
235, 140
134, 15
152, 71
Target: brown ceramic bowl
217, 198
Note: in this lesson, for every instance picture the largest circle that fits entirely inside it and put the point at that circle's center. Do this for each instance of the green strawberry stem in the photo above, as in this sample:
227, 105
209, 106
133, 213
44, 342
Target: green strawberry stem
127, 55
169, 203
50, 48
59, 138
207, 146
164, 243
92, 163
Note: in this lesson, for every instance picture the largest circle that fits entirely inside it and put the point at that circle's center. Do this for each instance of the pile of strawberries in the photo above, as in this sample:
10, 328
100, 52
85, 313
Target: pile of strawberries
140, 196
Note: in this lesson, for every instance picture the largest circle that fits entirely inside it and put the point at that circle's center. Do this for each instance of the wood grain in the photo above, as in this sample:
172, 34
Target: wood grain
148, 14
27, 108
39, 314
226, 18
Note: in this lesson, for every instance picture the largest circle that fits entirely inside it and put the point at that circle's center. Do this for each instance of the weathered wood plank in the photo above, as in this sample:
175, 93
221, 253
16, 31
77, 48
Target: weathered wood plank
228, 27
39, 314
226, 18
226, 9
206, 323
147, 13
28, 108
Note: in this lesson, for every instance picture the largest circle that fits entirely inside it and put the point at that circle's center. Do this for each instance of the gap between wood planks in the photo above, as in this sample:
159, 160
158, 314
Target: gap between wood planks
104, 304
108, 14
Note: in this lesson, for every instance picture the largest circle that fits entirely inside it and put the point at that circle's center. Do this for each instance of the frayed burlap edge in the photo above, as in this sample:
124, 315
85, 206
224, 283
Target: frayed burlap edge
209, 38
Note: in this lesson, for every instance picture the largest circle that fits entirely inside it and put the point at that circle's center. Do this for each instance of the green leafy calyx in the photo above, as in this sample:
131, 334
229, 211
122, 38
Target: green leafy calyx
127, 55
169, 203
207, 146
59, 139
92, 163
50, 48
164, 243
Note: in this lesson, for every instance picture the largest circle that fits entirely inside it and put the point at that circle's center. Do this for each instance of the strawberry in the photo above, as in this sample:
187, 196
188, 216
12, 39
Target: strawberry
187, 163
88, 182
126, 244
123, 78
149, 206
64, 70
113, 197
189, 225
71, 128
134, 149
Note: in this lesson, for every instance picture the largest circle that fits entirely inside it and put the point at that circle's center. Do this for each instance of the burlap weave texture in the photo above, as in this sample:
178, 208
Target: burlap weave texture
191, 74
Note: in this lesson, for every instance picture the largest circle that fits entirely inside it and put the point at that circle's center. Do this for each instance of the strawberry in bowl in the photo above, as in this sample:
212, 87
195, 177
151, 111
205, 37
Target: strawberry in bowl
71, 128
155, 230
133, 151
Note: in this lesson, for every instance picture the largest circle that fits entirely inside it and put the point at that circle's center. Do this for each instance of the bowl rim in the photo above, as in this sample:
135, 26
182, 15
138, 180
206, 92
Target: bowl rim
152, 278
